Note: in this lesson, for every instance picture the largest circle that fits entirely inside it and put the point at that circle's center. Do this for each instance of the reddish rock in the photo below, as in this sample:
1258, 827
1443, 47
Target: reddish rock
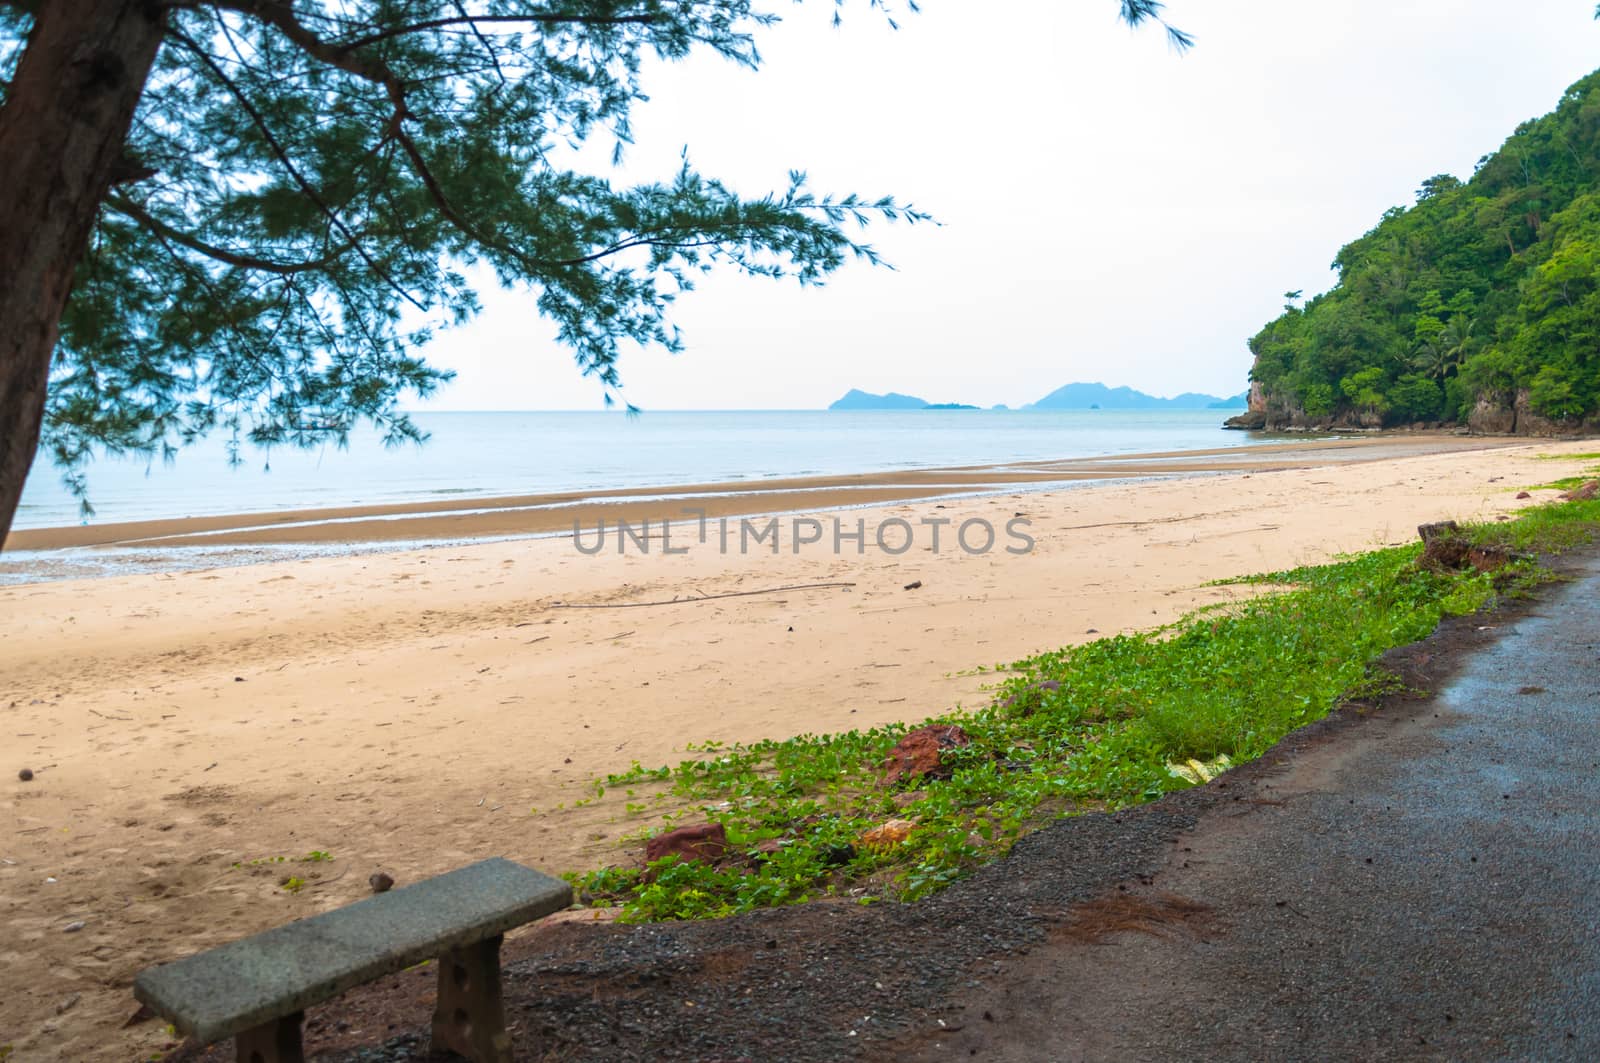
705, 842
887, 835
1585, 493
1524, 494
920, 754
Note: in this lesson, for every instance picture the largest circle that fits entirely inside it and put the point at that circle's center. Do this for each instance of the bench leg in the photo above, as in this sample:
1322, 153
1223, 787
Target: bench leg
470, 1018
277, 1041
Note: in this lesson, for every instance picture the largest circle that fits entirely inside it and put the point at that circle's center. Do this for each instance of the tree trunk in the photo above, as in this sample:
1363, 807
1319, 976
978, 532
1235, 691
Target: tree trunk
62, 129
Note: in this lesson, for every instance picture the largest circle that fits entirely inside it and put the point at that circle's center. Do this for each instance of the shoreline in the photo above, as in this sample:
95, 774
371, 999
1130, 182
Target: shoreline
415, 710
463, 519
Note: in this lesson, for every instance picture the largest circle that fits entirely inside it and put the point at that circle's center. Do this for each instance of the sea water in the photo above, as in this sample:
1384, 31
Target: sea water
480, 454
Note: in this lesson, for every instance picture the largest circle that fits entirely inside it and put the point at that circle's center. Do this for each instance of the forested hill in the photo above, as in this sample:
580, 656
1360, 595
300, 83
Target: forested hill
1479, 304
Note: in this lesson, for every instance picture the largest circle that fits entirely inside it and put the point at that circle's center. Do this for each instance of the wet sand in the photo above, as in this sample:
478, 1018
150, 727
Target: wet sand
524, 515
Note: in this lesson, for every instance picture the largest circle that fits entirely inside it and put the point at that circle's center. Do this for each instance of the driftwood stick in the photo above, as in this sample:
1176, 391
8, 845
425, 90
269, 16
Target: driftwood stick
699, 598
1137, 523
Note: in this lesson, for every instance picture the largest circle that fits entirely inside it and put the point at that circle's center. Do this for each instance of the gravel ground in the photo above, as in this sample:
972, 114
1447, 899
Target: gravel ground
1410, 879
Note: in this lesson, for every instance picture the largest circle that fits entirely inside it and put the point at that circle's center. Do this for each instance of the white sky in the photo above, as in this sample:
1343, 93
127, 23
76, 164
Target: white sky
1110, 210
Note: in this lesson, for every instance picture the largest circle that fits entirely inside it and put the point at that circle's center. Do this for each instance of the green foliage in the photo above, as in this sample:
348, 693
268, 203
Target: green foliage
1488, 286
1414, 397
1550, 528
262, 861
1367, 388
1317, 398
1226, 680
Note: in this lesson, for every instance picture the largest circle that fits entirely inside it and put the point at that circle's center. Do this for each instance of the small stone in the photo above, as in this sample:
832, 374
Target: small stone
73, 928
26, 774
920, 754
380, 881
1524, 494
887, 835
913, 585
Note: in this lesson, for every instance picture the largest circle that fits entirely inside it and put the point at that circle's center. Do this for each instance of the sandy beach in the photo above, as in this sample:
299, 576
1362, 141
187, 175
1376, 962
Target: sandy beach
525, 515
415, 710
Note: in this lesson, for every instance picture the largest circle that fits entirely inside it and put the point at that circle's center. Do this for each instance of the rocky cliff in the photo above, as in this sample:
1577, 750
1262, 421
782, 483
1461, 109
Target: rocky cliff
1495, 413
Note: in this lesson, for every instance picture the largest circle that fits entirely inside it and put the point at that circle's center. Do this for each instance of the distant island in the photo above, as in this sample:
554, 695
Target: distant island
1093, 396
1097, 396
855, 399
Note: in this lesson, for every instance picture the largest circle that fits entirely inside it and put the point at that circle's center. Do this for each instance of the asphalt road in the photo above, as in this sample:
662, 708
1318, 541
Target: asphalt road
1422, 887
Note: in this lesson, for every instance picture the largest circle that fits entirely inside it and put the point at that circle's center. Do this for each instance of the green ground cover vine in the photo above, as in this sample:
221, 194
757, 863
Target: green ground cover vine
1226, 680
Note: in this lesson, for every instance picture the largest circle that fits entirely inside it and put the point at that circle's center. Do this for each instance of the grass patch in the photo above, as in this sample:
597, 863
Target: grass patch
1550, 529
1567, 483
1224, 681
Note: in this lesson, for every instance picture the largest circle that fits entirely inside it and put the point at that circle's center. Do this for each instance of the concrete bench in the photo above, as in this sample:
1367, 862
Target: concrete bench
256, 990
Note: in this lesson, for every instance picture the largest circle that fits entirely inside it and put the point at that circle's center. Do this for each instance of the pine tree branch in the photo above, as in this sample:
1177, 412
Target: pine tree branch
129, 209
488, 48
281, 14
288, 164
282, 17
475, 20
